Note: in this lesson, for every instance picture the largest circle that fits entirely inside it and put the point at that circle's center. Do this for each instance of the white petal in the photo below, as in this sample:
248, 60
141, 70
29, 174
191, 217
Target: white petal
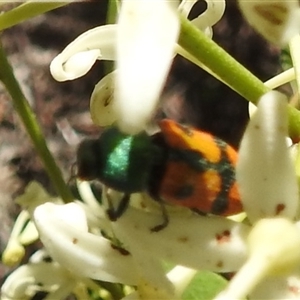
153, 283
277, 21
277, 242
102, 109
29, 234
34, 195
77, 65
95, 213
148, 291
80, 55
186, 6
70, 213
251, 109
39, 256
273, 250
213, 13
265, 172
198, 242
80, 251
147, 34
27, 279
283, 287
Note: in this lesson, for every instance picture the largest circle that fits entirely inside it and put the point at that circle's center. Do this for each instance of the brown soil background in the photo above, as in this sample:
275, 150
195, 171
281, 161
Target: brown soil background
62, 109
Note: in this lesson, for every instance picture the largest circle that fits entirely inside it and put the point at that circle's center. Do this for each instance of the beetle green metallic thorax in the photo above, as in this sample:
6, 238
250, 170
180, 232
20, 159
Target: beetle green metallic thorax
126, 160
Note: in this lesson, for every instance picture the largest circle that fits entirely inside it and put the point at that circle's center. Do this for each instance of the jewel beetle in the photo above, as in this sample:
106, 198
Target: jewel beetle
178, 165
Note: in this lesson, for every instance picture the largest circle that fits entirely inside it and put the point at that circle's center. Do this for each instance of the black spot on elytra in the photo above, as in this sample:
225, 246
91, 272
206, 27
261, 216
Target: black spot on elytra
199, 163
219, 205
184, 192
227, 174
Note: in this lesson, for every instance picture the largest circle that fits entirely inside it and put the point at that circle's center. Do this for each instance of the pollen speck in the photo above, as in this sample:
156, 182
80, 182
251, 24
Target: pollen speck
220, 264
224, 237
74, 240
183, 239
279, 208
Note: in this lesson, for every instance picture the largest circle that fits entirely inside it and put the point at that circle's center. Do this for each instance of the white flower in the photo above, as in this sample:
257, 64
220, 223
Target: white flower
78, 57
100, 42
265, 169
39, 275
268, 254
146, 35
268, 189
24, 231
102, 110
213, 13
64, 230
277, 21
143, 44
220, 247
270, 196
78, 254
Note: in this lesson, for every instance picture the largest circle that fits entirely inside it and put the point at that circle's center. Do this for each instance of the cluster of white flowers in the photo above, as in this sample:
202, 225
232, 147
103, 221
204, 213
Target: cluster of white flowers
78, 238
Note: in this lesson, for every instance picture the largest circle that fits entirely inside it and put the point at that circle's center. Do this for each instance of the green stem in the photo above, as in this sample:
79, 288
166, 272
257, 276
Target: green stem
112, 11
220, 62
231, 72
27, 11
27, 116
111, 18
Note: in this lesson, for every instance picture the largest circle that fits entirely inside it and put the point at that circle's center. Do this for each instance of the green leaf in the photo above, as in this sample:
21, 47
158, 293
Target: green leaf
205, 285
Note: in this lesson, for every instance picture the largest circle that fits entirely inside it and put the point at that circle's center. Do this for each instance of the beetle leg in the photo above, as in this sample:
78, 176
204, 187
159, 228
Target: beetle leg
199, 212
115, 213
120, 249
165, 217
